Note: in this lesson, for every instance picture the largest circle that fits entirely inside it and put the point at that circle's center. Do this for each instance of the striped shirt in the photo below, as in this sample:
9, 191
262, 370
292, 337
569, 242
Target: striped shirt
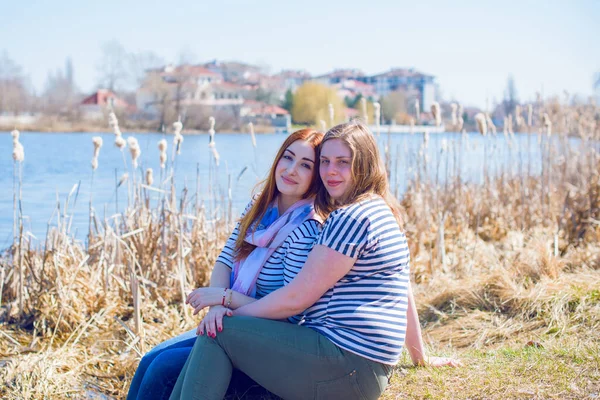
287, 259
365, 311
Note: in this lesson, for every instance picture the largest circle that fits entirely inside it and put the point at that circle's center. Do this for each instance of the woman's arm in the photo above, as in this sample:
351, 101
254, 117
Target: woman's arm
323, 268
414, 339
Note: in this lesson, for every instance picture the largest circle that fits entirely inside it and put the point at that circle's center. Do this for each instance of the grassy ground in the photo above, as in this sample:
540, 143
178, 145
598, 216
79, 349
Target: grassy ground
506, 272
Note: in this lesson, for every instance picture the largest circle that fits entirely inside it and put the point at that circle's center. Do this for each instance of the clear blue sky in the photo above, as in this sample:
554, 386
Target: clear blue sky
471, 46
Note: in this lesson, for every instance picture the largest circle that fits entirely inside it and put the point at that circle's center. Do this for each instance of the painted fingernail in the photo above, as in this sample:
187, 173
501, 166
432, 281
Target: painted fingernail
201, 333
220, 329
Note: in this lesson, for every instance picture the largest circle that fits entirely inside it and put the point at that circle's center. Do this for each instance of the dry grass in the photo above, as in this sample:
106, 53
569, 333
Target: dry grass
508, 275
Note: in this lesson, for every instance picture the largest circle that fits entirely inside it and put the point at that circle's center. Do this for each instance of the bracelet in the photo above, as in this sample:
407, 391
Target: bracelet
230, 298
223, 299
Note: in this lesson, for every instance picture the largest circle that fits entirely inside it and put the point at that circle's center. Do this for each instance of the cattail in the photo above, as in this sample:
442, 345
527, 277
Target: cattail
454, 108
162, 148
112, 120
177, 126
331, 114
425, 139
97, 141
510, 124
252, 137
547, 124
412, 125
490, 123
162, 145
363, 106
215, 153
177, 140
377, 109
134, 150
18, 151
518, 116
323, 125
417, 109
123, 179
120, 142
461, 123
149, 177
481, 121
529, 115
435, 111
211, 130
505, 126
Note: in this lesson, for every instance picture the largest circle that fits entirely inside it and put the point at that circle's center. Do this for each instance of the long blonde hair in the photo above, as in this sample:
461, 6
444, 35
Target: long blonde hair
368, 172
269, 190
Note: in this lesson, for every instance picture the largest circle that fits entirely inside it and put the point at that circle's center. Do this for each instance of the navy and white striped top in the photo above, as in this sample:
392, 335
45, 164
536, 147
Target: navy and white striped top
288, 259
365, 312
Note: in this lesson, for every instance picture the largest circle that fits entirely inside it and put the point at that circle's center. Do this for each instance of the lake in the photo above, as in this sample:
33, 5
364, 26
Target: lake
56, 162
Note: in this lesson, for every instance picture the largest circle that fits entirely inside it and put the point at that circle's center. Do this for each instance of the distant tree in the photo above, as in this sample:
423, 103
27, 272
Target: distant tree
288, 101
139, 64
311, 104
60, 93
112, 66
510, 96
15, 95
393, 105
353, 102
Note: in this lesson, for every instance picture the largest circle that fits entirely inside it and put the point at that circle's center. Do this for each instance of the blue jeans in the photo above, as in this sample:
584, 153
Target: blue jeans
158, 370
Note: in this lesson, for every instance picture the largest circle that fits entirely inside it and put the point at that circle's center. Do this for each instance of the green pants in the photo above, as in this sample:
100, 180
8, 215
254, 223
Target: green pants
291, 361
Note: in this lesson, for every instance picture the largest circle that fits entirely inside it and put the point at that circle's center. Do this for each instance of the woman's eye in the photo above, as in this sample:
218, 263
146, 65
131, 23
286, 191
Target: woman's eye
343, 161
307, 166
287, 157
324, 162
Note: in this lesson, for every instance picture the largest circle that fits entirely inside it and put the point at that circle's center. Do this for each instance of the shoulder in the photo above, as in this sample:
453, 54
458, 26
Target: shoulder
361, 211
309, 229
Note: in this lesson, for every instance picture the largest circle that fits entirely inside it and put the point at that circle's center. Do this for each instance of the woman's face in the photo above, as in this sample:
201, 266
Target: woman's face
336, 168
295, 169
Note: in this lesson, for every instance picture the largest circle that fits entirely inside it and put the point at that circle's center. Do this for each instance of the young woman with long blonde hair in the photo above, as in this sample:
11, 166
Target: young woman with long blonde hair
353, 292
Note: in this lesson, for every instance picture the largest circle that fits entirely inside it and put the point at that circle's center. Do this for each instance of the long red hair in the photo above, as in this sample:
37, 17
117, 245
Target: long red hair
269, 189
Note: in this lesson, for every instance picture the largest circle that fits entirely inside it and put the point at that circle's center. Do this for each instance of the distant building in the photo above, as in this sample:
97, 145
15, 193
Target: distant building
95, 105
236, 72
291, 79
351, 88
406, 79
340, 75
188, 85
260, 113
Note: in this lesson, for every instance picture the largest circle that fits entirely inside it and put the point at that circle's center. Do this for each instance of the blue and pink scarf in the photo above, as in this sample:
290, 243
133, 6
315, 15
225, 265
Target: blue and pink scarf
267, 236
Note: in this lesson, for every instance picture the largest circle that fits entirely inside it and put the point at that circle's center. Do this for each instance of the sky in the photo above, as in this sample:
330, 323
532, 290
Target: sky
471, 47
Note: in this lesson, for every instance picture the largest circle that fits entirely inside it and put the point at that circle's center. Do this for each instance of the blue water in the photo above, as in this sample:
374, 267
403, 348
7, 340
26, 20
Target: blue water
56, 162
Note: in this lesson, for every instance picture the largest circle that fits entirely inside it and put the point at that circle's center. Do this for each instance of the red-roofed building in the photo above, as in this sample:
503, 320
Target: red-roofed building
95, 105
351, 88
260, 113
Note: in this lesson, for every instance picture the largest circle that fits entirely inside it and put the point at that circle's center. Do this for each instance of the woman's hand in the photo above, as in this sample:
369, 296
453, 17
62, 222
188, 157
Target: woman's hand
205, 297
213, 321
441, 362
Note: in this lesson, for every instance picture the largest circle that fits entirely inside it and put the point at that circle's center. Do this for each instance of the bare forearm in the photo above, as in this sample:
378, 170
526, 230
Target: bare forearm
414, 340
280, 304
220, 276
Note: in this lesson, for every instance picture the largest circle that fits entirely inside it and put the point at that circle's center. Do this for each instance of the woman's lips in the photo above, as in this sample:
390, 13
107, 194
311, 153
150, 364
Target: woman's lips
333, 183
288, 180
